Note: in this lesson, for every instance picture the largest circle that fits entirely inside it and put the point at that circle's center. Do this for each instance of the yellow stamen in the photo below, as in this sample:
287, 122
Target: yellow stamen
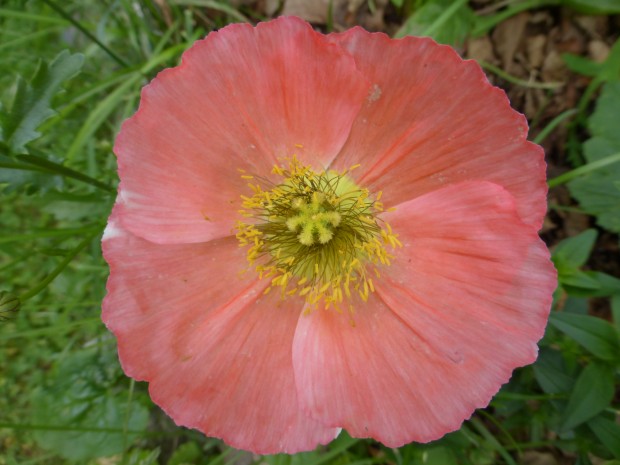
314, 235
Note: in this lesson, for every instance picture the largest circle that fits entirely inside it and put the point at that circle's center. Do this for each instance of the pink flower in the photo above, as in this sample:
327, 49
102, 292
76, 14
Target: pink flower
436, 288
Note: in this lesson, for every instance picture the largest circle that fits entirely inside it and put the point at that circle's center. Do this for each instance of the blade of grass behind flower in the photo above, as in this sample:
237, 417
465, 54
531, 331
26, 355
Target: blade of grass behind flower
85, 31
56, 168
214, 5
8, 13
75, 101
28, 37
67, 232
512, 443
101, 113
54, 329
492, 441
158, 58
132, 384
104, 109
83, 429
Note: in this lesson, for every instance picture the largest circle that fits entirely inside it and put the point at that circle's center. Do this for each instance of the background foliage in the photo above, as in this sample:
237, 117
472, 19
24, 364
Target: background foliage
71, 72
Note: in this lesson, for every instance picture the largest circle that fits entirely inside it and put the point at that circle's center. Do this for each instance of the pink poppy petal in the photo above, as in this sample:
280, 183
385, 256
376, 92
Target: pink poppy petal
242, 98
434, 120
216, 352
463, 304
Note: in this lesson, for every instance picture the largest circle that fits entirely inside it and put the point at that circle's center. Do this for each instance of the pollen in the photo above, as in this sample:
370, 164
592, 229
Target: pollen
315, 235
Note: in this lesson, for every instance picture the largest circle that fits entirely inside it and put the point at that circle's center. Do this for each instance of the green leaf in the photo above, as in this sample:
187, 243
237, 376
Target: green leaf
607, 285
592, 393
581, 65
31, 105
575, 251
440, 455
79, 413
615, 310
569, 255
446, 21
596, 335
597, 191
601, 124
594, 7
550, 372
608, 432
570, 279
186, 453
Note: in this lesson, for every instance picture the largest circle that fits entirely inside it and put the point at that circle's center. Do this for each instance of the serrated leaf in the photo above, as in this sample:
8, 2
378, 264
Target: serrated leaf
81, 400
595, 334
453, 31
591, 394
32, 103
597, 192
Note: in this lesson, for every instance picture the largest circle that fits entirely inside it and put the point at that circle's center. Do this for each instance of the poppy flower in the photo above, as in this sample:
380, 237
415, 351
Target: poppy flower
316, 232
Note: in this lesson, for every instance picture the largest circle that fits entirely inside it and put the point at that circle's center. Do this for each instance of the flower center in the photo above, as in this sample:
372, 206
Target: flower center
315, 220
316, 235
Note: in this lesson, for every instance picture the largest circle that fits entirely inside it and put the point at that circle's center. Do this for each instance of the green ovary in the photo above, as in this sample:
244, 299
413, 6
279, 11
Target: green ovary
315, 221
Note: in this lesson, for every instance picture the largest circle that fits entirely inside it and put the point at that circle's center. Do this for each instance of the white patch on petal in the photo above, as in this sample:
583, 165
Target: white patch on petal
112, 231
126, 197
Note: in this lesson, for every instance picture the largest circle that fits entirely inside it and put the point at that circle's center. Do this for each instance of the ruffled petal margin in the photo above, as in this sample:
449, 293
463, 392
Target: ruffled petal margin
434, 120
243, 98
215, 350
463, 303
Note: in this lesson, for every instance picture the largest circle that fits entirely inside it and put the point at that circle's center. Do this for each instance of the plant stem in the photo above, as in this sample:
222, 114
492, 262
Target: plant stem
485, 23
595, 165
520, 82
554, 123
